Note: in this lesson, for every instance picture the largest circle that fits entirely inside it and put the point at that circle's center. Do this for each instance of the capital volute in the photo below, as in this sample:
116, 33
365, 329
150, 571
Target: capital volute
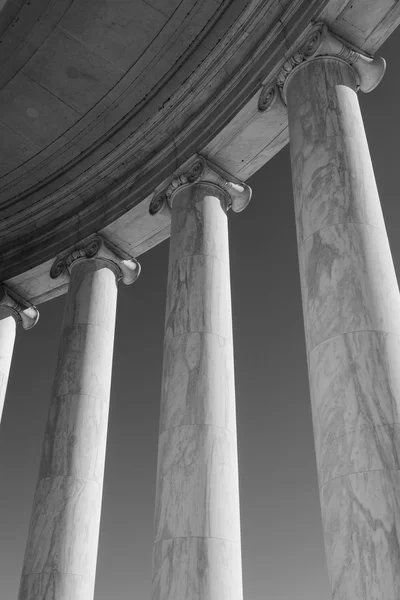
96, 247
23, 311
321, 42
237, 193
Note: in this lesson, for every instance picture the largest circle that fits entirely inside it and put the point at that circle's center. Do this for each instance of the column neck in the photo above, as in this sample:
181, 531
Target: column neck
125, 267
22, 310
236, 193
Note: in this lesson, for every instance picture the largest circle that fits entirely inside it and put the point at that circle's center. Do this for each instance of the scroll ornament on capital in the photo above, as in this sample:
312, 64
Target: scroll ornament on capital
128, 268
201, 170
23, 311
319, 43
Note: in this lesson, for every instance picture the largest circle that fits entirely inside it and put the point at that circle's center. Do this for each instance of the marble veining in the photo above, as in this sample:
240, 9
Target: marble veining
327, 192
64, 528
197, 486
332, 172
80, 346
351, 307
198, 297
86, 306
198, 365
52, 585
203, 568
197, 517
62, 536
74, 442
361, 515
348, 282
199, 226
355, 395
333, 109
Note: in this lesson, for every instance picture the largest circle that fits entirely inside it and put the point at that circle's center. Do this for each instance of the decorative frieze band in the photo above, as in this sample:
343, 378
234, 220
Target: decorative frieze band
322, 42
23, 311
238, 193
128, 268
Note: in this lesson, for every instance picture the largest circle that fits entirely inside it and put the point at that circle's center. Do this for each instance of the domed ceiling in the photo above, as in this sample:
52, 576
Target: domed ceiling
102, 100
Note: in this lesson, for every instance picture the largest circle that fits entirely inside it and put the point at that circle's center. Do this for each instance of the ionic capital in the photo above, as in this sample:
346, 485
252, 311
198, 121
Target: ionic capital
23, 311
96, 247
237, 193
320, 43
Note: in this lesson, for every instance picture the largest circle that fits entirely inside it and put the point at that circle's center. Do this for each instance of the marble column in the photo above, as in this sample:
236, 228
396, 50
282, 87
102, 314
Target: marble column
197, 552
61, 551
351, 308
13, 309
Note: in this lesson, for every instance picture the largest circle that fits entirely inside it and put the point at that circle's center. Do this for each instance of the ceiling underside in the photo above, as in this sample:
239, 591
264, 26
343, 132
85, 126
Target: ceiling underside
102, 100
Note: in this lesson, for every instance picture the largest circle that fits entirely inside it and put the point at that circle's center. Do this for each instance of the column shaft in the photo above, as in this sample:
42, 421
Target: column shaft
351, 307
61, 552
197, 552
7, 339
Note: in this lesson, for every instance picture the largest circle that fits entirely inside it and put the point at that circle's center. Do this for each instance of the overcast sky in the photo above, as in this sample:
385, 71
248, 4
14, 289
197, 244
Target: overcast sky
283, 552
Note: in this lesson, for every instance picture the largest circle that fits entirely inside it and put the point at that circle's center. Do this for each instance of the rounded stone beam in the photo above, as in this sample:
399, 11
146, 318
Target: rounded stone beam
61, 552
197, 549
351, 307
13, 309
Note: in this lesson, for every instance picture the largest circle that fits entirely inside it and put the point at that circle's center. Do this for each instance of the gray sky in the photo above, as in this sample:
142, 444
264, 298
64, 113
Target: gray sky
283, 552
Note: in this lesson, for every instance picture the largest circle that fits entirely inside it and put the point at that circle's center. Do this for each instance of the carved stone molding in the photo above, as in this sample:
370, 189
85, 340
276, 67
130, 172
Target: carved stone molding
23, 311
128, 268
269, 96
322, 42
238, 193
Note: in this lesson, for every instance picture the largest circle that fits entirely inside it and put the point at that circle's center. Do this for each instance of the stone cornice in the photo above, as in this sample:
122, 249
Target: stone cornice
198, 170
23, 311
128, 268
200, 107
43, 224
322, 42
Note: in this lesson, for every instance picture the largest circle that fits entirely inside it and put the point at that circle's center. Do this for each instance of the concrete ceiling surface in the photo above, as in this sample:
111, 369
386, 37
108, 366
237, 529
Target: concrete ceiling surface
102, 100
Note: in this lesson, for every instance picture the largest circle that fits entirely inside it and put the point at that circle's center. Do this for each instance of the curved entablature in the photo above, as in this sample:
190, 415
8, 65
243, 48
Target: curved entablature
158, 114
190, 86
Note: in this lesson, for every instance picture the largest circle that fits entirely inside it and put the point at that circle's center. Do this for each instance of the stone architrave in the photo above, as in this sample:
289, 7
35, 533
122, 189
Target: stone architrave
13, 309
197, 549
61, 552
351, 307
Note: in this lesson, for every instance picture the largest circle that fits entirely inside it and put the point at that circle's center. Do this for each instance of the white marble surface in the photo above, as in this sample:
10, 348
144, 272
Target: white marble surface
355, 395
197, 486
197, 519
197, 568
329, 150
54, 585
61, 551
361, 514
7, 340
348, 283
198, 365
198, 297
351, 307
199, 226
64, 526
198, 290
